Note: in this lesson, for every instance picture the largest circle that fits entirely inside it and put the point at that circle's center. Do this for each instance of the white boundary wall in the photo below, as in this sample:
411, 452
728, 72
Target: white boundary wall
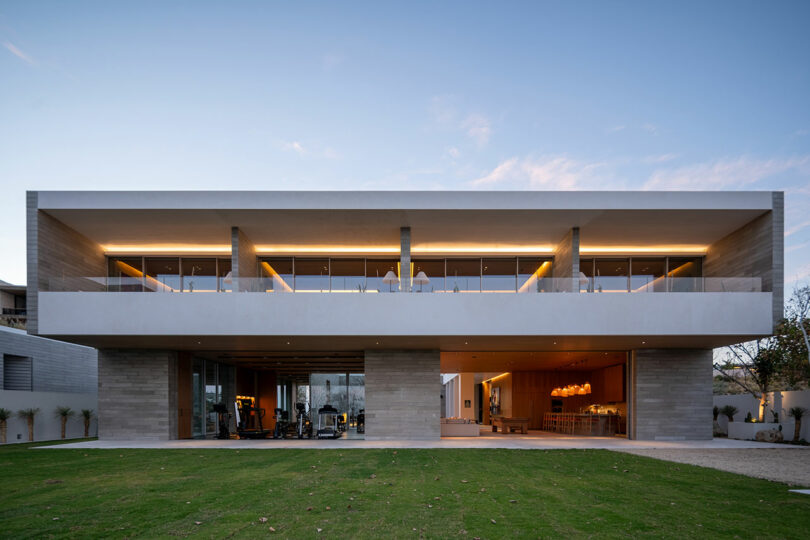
782, 402
47, 426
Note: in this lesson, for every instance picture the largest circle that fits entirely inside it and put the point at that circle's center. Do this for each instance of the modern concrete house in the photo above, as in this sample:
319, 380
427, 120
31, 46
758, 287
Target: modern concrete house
573, 312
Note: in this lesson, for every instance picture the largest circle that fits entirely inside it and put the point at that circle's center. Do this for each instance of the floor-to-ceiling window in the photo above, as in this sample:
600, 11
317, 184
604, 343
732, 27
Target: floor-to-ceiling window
211, 383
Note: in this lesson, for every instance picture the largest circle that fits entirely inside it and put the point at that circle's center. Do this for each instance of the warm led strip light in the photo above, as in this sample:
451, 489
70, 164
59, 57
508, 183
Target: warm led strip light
121, 249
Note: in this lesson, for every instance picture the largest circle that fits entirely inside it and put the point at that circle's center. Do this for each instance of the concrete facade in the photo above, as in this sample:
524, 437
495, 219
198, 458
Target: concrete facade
736, 235
403, 395
137, 394
757, 250
56, 366
671, 394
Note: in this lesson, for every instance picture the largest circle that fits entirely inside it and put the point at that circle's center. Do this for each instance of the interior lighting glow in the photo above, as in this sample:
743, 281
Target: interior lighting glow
146, 249
691, 249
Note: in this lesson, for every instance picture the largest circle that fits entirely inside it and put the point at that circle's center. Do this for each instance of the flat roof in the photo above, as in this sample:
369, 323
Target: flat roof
406, 200
323, 222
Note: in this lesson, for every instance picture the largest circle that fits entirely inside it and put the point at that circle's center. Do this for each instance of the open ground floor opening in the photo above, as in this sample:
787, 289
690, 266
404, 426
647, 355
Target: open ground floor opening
403, 394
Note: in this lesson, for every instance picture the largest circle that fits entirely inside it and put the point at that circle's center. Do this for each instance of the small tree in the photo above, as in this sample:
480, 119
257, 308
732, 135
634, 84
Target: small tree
797, 413
87, 414
715, 412
729, 411
63, 413
5, 414
28, 415
760, 362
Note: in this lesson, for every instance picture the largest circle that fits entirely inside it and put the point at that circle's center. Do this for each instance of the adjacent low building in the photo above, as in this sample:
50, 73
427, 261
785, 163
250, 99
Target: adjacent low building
40, 373
532, 304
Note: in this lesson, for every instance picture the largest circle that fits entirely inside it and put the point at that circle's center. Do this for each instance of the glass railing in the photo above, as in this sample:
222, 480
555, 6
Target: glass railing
598, 285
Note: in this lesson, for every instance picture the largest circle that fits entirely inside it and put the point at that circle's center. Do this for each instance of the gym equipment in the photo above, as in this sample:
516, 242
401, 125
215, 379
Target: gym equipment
303, 426
282, 423
328, 423
223, 420
249, 419
361, 421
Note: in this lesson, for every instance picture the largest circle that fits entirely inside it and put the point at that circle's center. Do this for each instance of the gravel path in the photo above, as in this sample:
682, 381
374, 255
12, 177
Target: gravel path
789, 465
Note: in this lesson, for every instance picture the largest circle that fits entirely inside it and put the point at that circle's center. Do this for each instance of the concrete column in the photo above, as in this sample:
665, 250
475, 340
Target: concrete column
244, 265
403, 395
566, 262
137, 394
754, 250
671, 394
405, 259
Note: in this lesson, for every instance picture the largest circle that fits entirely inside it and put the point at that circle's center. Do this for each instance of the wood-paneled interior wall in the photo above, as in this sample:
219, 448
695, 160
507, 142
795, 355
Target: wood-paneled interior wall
266, 398
531, 391
184, 395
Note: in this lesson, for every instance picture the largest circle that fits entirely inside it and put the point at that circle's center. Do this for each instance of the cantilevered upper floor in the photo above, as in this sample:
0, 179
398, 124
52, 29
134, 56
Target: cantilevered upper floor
428, 269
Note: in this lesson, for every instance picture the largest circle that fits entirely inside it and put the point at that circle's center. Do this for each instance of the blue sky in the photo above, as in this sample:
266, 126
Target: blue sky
419, 96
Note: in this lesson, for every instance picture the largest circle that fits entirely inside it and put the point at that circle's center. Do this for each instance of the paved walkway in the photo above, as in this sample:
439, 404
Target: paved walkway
534, 440
790, 464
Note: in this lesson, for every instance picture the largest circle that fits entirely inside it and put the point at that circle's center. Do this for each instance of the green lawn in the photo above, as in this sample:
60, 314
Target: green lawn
382, 494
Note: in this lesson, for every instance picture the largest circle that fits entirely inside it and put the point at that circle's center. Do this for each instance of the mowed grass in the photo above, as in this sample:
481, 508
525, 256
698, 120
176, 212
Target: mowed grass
382, 494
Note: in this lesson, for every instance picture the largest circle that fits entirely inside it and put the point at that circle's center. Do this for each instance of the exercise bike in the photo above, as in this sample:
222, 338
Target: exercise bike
282, 424
303, 425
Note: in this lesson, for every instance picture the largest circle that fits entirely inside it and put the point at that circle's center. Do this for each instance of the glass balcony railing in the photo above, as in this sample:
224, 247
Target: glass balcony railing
592, 285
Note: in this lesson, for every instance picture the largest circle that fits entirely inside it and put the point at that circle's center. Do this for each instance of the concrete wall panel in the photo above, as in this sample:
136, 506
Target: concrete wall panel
671, 394
137, 394
403, 390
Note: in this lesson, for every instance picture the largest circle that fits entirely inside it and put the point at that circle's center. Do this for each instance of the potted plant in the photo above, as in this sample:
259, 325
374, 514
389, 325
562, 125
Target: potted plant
5, 414
796, 413
63, 413
87, 414
28, 415
729, 411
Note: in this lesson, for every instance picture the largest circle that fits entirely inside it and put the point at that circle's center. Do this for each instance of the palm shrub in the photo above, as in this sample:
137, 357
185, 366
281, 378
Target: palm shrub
5, 414
63, 413
728, 411
28, 415
87, 414
797, 413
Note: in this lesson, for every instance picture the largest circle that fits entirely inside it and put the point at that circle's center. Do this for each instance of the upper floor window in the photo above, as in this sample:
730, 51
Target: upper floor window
640, 274
169, 274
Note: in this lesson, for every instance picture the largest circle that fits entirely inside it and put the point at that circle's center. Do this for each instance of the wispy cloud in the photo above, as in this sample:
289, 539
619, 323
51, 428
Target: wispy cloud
453, 152
796, 247
445, 114
18, 53
297, 147
725, 173
801, 274
477, 128
662, 158
650, 128
294, 146
548, 172
797, 227
616, 129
